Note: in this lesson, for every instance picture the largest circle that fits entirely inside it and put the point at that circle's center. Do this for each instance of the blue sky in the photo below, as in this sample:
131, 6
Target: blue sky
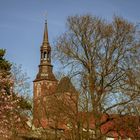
22, 23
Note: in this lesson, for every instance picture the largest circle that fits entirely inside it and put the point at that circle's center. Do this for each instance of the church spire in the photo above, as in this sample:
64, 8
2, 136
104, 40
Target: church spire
46, 38
45, 48
45, 67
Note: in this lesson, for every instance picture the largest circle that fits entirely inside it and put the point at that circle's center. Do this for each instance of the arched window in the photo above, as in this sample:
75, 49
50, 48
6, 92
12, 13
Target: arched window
48, 56
38, 89
45, 56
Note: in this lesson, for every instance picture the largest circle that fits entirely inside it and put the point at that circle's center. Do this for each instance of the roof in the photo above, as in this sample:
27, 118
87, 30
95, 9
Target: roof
115, 124
65, 85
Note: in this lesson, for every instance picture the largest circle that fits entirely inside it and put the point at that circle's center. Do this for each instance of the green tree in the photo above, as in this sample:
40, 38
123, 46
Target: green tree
5, 65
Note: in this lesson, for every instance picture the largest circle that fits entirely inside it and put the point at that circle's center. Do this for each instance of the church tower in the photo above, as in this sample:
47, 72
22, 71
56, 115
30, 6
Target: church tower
45, 82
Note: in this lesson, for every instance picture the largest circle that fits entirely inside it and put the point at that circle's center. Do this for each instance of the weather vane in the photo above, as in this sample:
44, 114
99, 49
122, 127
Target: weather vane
46, 17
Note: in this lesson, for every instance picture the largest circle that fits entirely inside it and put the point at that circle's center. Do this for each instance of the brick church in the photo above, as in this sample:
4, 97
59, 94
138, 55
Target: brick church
47, 88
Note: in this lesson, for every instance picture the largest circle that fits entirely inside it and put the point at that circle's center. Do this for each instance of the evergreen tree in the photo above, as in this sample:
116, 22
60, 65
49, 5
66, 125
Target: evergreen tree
5, 66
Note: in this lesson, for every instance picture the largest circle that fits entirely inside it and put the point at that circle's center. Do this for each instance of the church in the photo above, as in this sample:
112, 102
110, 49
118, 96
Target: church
45, 82
49, 94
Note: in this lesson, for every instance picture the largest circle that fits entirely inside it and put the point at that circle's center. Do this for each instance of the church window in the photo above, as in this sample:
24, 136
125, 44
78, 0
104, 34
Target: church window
38, 89
45, 56
48, 58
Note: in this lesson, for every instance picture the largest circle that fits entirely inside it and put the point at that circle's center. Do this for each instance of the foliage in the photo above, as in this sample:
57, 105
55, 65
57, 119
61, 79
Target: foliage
5, 66
12, 106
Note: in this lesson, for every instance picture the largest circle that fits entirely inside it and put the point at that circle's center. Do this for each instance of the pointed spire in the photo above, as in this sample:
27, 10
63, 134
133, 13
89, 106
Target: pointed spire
45, 38
45, 67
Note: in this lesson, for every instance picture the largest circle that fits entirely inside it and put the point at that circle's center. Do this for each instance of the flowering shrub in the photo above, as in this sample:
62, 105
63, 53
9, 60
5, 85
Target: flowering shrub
12, 117
9, 108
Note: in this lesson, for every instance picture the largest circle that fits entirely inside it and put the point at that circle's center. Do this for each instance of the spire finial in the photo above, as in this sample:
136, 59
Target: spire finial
46, 18
45, 39
45, 21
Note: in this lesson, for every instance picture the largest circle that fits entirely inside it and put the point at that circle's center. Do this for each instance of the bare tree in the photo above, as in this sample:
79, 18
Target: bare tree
107, 54
21, 80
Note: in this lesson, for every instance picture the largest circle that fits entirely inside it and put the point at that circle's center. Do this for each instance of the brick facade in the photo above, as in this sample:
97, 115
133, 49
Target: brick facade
45, 84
